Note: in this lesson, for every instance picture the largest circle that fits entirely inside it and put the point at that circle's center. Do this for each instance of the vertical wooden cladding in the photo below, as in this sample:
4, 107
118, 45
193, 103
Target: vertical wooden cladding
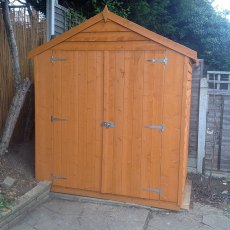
77, 97
90, 87
131, 153
90, 117
172, 119
43, 110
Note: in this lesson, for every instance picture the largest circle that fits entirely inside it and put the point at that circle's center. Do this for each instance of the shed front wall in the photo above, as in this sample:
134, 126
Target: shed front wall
109, 79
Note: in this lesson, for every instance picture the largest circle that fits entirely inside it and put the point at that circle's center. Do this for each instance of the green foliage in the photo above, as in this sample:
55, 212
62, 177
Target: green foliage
193, 23
200, 27
5, 204
115, 6
74, 18
152, 15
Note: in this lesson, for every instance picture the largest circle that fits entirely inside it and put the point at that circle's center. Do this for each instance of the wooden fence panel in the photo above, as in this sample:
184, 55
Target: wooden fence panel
225, 136
218, 121
217, 136
214, 117
29, 34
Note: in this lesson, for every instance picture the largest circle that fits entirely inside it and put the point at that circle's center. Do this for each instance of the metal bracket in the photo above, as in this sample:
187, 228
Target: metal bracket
53, 177
54, 119
108, 124
163, 60
160, 127
153, 190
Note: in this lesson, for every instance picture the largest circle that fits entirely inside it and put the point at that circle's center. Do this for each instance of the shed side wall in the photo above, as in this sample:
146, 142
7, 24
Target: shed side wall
185, 117
197, 73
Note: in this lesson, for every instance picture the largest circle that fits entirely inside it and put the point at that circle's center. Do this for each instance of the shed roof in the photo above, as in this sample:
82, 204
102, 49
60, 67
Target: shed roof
104, 16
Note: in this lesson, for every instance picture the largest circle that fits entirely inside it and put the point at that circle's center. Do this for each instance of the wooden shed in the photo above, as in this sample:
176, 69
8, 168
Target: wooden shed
112, 112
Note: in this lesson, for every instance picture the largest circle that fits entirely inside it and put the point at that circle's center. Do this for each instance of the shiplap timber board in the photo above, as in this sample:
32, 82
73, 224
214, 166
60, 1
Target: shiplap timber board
193, 134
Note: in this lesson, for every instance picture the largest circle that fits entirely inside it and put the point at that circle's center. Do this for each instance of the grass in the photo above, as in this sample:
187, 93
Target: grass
5, 204
227, 212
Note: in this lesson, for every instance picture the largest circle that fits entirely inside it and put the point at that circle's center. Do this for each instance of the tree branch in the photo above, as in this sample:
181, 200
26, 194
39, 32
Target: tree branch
12, 43
23, 3
21, 85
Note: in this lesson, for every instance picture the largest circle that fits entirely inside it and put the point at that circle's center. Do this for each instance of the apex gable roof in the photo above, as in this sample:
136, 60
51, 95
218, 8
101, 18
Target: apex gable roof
104, 16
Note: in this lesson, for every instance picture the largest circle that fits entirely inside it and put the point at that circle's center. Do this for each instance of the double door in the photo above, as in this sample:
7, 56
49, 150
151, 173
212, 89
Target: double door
107, 121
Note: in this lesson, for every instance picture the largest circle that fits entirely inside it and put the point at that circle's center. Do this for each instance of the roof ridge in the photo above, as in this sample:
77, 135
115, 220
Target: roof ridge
105, 15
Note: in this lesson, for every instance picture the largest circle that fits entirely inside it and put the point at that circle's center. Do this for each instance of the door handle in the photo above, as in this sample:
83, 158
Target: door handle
108, 124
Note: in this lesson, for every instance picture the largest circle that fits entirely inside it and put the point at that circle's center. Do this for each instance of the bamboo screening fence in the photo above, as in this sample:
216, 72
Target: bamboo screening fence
29, 33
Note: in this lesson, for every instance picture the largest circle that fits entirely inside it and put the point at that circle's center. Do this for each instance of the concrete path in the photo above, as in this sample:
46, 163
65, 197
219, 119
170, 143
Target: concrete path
60, 214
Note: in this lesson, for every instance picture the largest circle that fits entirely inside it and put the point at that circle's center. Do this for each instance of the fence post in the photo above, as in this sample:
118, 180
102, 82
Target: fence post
203, 104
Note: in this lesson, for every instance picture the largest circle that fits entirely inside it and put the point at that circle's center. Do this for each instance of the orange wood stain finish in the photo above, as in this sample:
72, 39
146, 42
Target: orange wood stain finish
101, 73
43, 111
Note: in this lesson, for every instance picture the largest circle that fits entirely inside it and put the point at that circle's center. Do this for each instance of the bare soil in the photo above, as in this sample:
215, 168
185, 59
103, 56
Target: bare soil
216, 195
18, 163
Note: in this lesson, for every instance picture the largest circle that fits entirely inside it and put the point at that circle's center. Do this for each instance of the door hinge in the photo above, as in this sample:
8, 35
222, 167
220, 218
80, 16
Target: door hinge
160, 127
54, 119
54, 177
163, 60
55, 59
153, 190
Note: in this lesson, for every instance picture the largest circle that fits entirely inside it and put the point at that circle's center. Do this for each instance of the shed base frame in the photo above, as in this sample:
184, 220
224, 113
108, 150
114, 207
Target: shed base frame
140, 201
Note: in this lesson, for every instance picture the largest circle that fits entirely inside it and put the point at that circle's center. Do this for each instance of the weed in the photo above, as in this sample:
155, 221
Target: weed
5, 204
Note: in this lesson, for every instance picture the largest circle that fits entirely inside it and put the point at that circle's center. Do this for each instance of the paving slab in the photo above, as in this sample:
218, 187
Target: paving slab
217, 222
59, 214
190, 220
